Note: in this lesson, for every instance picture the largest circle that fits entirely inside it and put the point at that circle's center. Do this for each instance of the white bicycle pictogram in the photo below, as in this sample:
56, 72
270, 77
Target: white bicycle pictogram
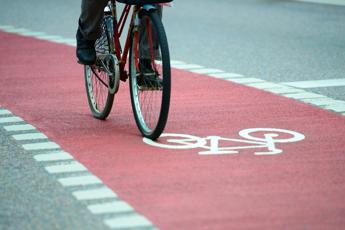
253, 138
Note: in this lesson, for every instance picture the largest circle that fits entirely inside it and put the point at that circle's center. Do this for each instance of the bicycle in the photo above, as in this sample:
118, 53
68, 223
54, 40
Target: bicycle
148, 70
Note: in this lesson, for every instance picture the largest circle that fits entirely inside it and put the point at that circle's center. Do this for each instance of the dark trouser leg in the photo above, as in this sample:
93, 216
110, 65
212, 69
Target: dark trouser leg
89, 29
90, 19
144, 51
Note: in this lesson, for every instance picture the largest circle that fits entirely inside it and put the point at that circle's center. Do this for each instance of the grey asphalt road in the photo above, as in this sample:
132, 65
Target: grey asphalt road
275, 40
32, 199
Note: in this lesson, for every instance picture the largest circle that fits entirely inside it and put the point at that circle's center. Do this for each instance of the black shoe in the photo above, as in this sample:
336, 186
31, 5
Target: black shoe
86, 52
148, 78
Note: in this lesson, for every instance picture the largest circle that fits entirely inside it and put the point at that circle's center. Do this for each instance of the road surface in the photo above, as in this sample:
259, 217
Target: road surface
62, 169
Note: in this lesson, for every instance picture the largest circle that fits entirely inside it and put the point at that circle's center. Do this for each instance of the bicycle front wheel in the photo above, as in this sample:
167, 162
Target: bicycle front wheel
150, 74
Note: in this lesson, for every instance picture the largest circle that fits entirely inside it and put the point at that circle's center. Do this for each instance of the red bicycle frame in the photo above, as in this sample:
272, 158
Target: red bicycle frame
118, 29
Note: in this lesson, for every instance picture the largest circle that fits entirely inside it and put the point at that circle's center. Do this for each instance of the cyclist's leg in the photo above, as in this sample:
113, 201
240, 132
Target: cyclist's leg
90, 19
89, 29
144, 52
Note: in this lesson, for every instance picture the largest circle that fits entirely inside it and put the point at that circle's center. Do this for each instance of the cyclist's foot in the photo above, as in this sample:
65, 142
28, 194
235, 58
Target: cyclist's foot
86, 53
148, 78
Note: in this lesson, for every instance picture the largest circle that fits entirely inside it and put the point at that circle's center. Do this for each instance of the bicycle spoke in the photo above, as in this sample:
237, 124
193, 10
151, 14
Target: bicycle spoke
100, 79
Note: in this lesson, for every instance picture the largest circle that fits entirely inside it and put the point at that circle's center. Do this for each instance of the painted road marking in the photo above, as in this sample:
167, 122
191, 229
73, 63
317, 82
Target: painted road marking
29, 136
10, 120
245, 80
80, 180
73, 166
114, 206
303, 95
206, 71
322, 101
38, 35
187, 66
110, 207
212, 144
265, 85
51, 37
41, 146
225, 75
54, 156
4, 112
132, 221
94, 194
30, 33
330, 2
19, 127
336, 107
175, 62
281, 89
316, 83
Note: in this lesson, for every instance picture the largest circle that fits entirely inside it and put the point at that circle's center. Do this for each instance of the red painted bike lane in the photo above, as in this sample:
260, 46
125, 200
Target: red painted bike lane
301, 188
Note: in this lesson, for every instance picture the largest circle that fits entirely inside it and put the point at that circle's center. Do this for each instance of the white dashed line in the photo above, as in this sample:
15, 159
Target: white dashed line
68, 41
206, 71
316, 83
41, 146
81, 180
73, 166
67, 166
264, 85
29, 136
132, 221
320, 101
303, 95
10, 120
245, 80
175, 62
4, 112
94, 194
336, 107
284, 90
32, 34
110, 207
225, 75
54, 156
50, 37
187, 66
19, 127
328, 2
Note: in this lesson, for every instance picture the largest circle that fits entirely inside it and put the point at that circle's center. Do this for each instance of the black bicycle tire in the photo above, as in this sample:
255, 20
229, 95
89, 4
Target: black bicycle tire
165, 104
101, 115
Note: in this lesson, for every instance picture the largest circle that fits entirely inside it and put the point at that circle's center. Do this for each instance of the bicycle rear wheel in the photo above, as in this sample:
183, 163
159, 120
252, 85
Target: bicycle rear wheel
150, 74
99, 78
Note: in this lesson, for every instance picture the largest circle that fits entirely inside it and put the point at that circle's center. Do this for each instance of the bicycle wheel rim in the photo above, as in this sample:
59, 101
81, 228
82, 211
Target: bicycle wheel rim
150, 103
97, 80
99, 98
